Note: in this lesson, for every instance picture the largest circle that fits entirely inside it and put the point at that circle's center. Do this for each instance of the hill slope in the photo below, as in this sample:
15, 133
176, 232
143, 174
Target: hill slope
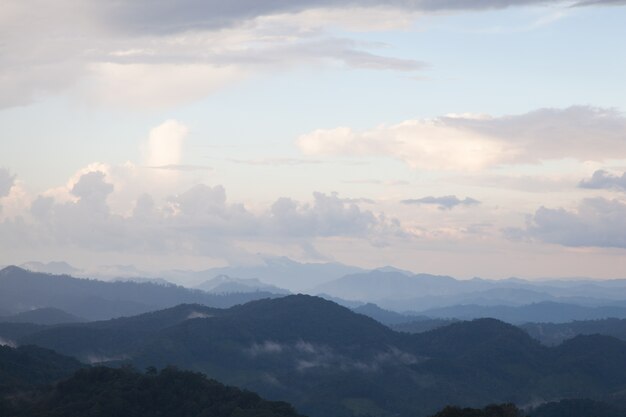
328, 360
103, 391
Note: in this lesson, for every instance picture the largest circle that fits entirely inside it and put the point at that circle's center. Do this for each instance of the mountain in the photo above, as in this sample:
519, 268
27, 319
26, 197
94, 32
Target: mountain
11, 332
399, 291
537, 312
577, 408
223, 284
159, 281
22, 290
385, 284
110, 340
58, 268
44, 316
494, 410
328, 360
553, 334
421, 325
101, 391
346, 303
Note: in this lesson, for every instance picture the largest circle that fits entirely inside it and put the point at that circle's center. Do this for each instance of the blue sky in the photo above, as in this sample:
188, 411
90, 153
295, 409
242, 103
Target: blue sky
320, 131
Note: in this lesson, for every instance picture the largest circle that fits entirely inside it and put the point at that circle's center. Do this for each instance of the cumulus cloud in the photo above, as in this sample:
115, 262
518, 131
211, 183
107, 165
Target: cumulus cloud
596, 222
165, 144
602, 179
443, 203
328, 215
472, 143
6, 182
91, 188
199, 221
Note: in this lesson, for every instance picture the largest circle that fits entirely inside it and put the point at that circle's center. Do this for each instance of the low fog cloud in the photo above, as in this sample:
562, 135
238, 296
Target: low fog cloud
443, 203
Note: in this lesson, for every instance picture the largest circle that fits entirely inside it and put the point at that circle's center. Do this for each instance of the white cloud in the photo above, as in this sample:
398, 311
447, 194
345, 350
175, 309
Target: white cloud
164, 146
156, 85
471, 143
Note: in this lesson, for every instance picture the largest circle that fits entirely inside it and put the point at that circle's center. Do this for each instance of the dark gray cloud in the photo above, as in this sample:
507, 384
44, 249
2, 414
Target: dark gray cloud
597, 222
443, 203
603, 180
167, 16
600, 3
92, 187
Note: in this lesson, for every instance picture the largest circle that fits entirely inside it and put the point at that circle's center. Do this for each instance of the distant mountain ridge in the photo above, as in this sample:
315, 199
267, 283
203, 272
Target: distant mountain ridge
553, 334
401, 291
45, 316
223, 284
537, 312
278, 271
22, 290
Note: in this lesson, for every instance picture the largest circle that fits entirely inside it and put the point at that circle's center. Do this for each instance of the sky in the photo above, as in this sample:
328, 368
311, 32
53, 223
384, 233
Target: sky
461, 137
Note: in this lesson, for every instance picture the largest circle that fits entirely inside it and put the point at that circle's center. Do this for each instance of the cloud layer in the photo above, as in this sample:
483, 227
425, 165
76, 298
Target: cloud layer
159, 54
163, 53
472, 143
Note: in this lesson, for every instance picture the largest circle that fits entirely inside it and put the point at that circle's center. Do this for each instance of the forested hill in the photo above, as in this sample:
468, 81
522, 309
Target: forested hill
29, 367
107, 392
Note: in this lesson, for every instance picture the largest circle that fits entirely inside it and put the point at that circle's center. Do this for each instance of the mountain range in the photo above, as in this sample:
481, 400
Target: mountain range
328, 360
